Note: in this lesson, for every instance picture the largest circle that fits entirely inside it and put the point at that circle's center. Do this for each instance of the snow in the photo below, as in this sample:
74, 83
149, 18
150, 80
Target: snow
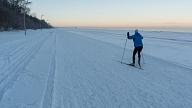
79, 68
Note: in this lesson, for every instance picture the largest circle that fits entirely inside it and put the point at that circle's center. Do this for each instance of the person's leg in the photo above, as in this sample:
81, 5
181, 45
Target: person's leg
139, 53
134, 53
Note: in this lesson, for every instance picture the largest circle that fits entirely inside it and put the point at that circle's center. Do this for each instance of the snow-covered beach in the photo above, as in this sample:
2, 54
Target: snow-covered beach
79, 68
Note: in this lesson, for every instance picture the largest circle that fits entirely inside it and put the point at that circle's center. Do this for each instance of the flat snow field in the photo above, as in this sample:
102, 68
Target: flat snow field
79, 68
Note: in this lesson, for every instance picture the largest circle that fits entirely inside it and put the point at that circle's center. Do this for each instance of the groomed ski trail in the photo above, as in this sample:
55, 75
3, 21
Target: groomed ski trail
18, 55
65, 70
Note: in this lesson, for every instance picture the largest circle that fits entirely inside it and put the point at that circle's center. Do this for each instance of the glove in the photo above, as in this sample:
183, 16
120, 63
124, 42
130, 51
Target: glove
128, 35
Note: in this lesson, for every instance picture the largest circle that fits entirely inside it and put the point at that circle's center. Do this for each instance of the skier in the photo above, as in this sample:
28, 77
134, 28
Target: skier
138, 44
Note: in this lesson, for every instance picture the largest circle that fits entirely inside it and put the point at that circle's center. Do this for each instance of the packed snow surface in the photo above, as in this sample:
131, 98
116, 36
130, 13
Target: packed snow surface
80, 68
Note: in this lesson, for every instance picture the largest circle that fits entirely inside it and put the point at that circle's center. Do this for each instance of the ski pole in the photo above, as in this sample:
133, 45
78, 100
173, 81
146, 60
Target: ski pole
143, 58
124, 49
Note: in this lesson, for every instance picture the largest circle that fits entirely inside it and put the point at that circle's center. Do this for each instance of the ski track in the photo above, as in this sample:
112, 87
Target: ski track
17, 62
84, 74
84, 90
48, 96
87, 94
108, 76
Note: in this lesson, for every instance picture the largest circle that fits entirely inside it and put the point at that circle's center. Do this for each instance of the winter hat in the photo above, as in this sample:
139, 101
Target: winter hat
136, 31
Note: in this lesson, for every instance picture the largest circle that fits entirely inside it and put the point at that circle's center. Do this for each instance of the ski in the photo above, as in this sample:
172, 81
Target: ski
131, 65
135, 66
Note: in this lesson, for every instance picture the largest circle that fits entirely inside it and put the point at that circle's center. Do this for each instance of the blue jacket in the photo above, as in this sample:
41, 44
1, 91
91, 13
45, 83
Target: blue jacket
137, 38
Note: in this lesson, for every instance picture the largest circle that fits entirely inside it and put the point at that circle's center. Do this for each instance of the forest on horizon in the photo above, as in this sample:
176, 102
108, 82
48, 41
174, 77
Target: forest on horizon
12, 16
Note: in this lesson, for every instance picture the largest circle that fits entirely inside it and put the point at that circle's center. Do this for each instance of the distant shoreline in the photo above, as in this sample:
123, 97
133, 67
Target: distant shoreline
186, 30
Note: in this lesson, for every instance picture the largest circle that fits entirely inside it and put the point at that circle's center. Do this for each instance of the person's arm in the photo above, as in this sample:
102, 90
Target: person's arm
132, 37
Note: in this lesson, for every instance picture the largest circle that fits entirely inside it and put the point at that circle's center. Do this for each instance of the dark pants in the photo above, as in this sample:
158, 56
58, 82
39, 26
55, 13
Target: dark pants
137, 49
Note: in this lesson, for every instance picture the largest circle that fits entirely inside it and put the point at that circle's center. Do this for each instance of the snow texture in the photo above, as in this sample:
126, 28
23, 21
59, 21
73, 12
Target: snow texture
79, 68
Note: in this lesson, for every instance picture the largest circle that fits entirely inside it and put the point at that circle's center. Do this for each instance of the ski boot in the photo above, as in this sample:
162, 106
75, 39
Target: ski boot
132, 64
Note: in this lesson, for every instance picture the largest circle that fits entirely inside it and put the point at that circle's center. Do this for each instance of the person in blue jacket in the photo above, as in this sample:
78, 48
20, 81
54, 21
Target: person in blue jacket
138, 44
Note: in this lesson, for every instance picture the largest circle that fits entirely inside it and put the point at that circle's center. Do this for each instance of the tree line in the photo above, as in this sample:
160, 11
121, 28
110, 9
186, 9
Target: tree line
12, 16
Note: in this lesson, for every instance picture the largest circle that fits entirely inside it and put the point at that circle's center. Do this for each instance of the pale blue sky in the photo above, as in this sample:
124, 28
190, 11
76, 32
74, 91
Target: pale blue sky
115, 13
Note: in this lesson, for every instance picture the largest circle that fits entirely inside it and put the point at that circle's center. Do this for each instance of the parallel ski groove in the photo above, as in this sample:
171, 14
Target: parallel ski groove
12, 70
48, 96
